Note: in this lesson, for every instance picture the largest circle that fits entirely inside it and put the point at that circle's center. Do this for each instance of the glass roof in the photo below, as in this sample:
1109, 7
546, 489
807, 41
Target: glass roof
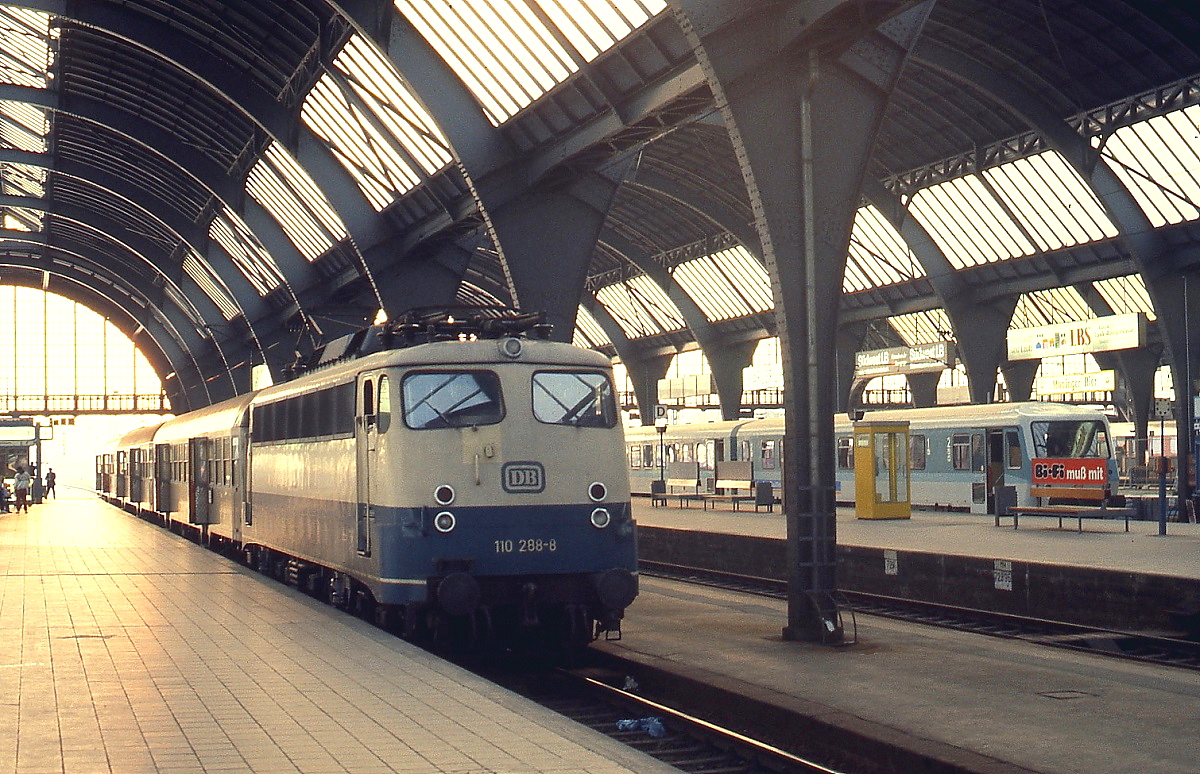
286, 191
255, 262
510, 52
1159, 162
588, 332
640, 307
1127, 294
1050, 307
24, 61
923, 327
725, 285
203, 276
374, 124
878, 254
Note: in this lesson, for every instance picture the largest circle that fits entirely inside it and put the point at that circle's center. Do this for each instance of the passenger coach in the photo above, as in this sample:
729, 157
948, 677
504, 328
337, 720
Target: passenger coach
959, 456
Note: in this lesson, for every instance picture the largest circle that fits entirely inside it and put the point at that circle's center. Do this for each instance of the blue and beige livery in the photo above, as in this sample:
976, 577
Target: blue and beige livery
450, 482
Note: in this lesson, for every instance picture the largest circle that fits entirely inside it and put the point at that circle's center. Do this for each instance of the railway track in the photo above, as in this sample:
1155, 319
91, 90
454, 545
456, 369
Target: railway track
1137, 646
589, 695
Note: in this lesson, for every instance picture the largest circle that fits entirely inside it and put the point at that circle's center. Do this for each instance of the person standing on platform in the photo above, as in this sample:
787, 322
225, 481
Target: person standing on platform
50, 476
4, 497
21, 486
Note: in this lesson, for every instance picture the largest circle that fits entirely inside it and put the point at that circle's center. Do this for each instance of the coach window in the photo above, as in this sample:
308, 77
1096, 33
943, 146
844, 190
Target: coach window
845, 453
441, 399
960, 449
635, 456
916, 452
977, 452
647, 455
768, 455
1013, 441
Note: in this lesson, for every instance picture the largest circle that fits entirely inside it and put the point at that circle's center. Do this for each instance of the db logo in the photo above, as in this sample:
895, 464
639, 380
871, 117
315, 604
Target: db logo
523, 477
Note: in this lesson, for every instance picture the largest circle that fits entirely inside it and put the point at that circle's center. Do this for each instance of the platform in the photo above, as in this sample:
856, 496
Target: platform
980, 703
1102, 543
129, 649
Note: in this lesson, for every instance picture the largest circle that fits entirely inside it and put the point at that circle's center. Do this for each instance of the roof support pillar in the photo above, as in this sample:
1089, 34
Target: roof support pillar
924, 388
849, 340
645, 372
727, 363
427, 277
803, 121
546, 240
1018, 378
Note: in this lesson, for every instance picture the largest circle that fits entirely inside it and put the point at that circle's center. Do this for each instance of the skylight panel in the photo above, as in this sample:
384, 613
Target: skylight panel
505, 51
1127, 295
367, 154
24, 48
286, 191
588, 332
376, 82
594, 26
727, 284
878, 254
1158, 160
24, 180
1053, 203
24, 219
968, 223
23, 126
640, 307
923, 327
229, 231
208, 282
1050, 307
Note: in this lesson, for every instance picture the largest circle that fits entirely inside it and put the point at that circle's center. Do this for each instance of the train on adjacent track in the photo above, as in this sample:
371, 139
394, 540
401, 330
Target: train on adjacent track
959, 456
461, 477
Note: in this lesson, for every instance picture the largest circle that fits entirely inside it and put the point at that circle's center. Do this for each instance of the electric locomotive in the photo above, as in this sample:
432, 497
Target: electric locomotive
463, 477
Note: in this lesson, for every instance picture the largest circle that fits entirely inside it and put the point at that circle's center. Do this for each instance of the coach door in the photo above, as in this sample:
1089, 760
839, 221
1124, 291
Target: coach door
162, 477
374, 399
201, 493
136, 471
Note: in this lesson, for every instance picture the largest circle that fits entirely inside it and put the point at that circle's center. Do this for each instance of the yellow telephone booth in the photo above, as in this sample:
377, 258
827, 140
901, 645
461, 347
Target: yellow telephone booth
881, 475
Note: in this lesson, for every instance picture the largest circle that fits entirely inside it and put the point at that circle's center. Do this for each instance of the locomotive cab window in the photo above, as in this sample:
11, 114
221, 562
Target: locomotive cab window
574, 398
435, 400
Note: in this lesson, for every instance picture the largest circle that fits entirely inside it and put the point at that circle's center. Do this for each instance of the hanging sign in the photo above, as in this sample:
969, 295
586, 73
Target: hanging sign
1103, 334
919, 358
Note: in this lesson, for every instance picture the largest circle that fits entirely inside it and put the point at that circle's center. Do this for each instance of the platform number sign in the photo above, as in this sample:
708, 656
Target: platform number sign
1002, 573
891, 562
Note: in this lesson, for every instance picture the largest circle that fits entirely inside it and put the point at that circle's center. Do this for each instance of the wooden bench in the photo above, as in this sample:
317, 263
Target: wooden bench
683, 476
739, 475
1093, 494
1077, 512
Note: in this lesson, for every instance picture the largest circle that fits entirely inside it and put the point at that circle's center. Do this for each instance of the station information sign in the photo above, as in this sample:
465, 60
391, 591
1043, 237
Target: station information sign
1052, 471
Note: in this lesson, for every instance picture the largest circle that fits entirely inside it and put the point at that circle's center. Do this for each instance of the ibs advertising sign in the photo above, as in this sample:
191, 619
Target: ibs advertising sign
1066, 471
1103, 334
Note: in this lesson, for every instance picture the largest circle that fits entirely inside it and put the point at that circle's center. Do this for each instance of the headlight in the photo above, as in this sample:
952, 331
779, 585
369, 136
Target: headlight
601, 518
444, 494
597, 491
444, 521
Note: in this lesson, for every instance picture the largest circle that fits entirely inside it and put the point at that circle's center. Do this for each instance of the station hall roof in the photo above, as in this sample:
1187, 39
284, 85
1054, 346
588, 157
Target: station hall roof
236, 182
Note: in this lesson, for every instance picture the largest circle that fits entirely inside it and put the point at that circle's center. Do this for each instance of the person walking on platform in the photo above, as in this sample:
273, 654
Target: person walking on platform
50, 477
21, 486
4, 497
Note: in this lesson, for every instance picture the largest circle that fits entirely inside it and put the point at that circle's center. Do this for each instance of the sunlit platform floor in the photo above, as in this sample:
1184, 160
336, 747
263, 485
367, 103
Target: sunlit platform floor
125, 648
